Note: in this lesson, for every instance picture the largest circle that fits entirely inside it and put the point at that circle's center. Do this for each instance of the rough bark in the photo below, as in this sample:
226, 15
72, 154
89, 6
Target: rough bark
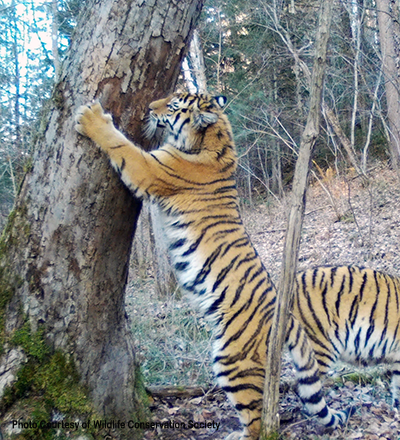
65, 252
270, 417
389, 39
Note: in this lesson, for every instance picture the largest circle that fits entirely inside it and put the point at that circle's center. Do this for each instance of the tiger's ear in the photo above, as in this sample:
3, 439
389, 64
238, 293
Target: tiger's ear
202, 119
220, 100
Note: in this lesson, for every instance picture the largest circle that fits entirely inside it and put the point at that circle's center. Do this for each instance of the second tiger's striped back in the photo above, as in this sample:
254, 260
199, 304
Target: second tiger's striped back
353, 314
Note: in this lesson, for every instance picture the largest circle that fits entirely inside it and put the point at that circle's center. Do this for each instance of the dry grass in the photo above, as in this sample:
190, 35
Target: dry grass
173, 343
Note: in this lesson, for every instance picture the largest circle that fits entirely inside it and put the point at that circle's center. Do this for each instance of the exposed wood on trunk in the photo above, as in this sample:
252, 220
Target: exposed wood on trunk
193, 67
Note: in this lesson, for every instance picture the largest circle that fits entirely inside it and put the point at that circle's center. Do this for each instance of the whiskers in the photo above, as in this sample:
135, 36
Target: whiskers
150, 127
153, 132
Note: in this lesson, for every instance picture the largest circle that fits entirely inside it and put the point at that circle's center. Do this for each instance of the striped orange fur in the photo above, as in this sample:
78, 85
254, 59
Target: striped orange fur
191, 177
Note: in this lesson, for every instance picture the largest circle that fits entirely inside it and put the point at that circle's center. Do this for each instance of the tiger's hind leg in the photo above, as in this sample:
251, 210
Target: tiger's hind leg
396, 384
308, 375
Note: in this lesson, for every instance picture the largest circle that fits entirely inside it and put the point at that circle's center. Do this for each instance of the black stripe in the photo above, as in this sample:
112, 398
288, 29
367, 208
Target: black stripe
223, 273
351, 279
311, 380
254, 372
206, 269
333, 274
311, 308
196, 244
177, 244
357, 341
242, 387
314, 398
324, 304
353, 311
224, 189
215, 305
371, 352
363, 284
240, 242
323, 413
160, 162
181, 266
254, 404
339, 296
227, 372
370, 330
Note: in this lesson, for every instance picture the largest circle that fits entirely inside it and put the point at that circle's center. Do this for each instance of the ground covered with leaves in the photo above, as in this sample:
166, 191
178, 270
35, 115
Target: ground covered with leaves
346, 222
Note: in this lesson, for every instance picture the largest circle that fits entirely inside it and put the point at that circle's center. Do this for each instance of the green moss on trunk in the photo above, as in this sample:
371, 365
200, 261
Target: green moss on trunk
49, 382
14, 234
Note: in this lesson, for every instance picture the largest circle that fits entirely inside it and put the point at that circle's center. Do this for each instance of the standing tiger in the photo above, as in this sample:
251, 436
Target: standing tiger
353, 314
191, 178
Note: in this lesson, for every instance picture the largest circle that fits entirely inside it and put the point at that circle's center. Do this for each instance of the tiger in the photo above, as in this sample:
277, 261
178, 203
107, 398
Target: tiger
191, 178
353, 314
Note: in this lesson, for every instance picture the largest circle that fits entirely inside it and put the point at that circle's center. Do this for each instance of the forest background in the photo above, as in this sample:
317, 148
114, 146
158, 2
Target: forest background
259, 55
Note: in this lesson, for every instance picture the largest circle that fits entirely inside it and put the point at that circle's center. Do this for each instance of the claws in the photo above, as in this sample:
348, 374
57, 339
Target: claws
90, 117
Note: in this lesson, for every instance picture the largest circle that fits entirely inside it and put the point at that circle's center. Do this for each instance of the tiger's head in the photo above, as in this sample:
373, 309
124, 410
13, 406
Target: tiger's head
189, 121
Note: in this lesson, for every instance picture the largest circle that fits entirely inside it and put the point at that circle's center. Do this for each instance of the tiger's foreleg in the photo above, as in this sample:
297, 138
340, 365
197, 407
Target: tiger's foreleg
242, 379
136, 168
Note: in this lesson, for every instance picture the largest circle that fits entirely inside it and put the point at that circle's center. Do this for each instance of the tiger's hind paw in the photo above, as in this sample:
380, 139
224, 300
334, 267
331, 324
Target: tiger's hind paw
236, 435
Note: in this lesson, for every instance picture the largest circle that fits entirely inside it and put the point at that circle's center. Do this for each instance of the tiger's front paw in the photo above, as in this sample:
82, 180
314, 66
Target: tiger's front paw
91, 121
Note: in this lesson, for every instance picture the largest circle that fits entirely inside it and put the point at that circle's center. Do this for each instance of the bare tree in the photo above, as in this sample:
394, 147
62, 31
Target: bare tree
270, 421
65, 251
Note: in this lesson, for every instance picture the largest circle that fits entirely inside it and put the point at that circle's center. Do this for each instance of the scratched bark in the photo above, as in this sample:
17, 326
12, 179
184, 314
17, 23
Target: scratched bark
66, 251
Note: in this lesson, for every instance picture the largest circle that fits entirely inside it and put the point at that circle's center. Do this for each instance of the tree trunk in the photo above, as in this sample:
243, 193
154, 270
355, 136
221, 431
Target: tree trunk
54, 39
270, 417
17, 79
344, 140
65, 251
389, 30
165, 280
193, 68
